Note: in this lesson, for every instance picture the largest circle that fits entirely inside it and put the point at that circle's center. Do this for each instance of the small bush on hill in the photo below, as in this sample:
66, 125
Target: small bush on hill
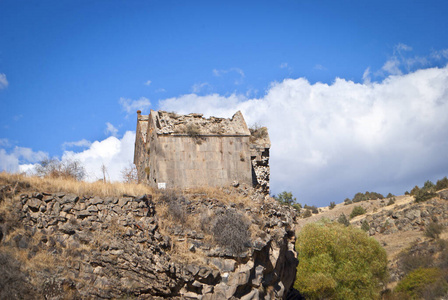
307, 213
231, 231
342, 219
390, 195
257, 132
338, 262
391, 201
415, 190
357, 211
61, 169
332, 205
423, 282
423, 195
433, 230
313, 208
285, 198
365, 226
441, 184
409, 261
347, 201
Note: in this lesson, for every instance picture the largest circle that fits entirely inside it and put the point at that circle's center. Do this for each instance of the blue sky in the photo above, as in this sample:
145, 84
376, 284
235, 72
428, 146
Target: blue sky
74, 73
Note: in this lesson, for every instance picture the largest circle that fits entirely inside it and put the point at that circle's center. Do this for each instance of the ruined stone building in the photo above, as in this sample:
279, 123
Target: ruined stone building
183, 151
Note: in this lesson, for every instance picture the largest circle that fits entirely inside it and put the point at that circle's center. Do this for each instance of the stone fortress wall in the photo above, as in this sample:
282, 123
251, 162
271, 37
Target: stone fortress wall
183, 151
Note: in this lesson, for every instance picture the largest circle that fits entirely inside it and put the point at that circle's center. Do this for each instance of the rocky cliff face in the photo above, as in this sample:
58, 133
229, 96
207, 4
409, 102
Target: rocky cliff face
171, 246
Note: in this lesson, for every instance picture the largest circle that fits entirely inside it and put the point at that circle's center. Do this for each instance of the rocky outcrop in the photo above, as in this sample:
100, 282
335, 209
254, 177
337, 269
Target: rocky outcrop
116, 247
407, 217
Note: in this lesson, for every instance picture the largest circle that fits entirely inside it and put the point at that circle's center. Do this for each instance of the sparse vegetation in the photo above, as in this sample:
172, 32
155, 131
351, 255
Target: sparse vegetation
54, 168
257, 132
366, 196
312, 208
129, 174
347, 201
193, 130
332, 205
365, 226
339, 262
426, 283
391, 201
307, 213
285, 198
69, 185
441, 184
231, 231
342, 219
357, 211
433, 230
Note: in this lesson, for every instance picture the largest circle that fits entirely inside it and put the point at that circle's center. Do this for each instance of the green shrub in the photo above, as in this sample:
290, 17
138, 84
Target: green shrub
297, 206
285, 198
347, 201
391, 201
338, 262
342, 219
415, 190
423, 282
433, 230
307, 213
423, 195
365, 226
332, 205
357, 211
407, 193
390, 195
441, 184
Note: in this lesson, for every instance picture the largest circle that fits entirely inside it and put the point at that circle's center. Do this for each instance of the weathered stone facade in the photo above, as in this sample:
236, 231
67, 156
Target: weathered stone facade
185, 151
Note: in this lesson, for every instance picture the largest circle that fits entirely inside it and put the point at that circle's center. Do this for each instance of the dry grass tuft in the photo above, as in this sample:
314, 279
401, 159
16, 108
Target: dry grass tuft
55, 185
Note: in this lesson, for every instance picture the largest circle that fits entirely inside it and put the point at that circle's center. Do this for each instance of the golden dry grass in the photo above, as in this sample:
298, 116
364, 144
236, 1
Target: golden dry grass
54, 185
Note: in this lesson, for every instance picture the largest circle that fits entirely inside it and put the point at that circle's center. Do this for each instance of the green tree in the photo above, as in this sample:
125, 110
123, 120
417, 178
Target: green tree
285, 198
357, 211
338, 262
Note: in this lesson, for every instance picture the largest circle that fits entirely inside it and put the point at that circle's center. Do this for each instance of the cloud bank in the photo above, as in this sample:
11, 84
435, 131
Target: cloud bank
331, 141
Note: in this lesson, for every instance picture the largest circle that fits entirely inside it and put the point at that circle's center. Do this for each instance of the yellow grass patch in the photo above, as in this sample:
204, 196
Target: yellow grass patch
54, 185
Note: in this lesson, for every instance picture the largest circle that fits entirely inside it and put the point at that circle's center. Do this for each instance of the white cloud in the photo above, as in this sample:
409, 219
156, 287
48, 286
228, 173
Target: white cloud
283, 65
196, 88
240, 72
114, 153
131, 106
3, 81
366, 76
319, 67
161, 90
110, 129
4, 143
331, 141
10, 161
148, 82
80, 143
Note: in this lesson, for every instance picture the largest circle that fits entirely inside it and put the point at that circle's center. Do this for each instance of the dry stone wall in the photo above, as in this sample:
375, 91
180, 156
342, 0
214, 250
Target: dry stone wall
113, 247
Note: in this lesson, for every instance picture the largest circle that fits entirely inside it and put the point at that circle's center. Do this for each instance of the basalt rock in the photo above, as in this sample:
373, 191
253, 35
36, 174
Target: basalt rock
117, 247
